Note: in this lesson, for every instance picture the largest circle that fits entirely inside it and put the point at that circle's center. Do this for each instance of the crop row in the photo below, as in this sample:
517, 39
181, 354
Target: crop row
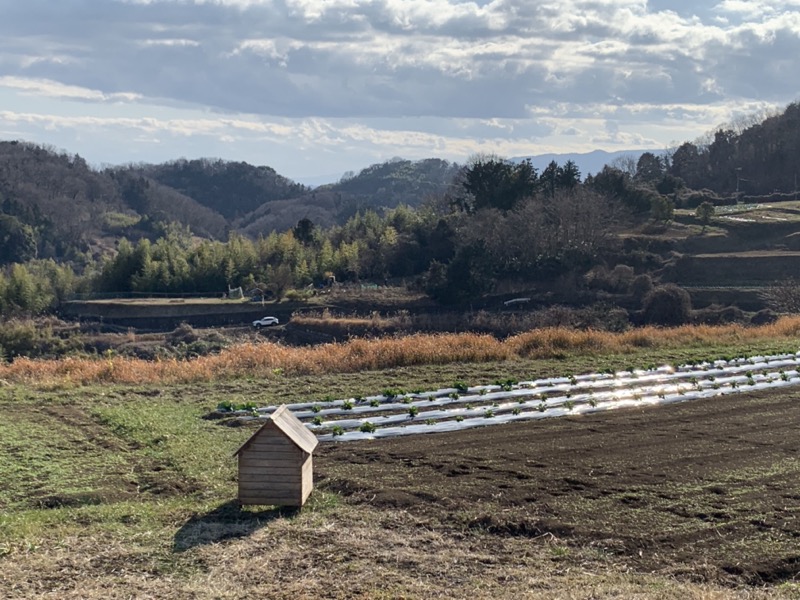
396, 412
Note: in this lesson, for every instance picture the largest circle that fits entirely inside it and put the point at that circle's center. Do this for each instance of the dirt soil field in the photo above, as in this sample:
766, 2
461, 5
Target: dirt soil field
703, 491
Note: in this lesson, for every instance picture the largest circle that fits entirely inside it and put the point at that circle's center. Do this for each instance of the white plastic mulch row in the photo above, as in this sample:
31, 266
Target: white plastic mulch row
448, 410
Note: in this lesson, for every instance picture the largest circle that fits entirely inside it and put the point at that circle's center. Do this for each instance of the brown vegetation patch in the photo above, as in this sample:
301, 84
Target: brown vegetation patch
268, 359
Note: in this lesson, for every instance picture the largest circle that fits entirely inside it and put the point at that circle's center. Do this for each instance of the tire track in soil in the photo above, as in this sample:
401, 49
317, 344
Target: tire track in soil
139, 473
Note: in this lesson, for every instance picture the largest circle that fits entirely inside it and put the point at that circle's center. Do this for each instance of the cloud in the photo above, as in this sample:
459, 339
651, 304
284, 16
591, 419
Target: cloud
435, 74
54, 89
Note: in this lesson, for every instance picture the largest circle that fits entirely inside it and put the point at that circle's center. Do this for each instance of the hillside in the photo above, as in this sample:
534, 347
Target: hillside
494, 227
377, 187
231, 189
55, 206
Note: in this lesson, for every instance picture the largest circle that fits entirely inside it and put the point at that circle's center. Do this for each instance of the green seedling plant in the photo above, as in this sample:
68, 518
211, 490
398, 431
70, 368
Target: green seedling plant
317, 420
461, 387
367, 427
413, 411
374, 402
337, 430
569, 405
506, 384
316, 408
229, 406
347, 405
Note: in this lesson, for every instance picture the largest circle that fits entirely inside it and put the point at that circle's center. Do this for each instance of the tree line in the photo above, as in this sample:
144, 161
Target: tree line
497, 220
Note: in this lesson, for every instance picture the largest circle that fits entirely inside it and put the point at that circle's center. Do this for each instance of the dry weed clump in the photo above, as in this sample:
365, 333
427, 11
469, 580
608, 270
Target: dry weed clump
553, 341
268, 358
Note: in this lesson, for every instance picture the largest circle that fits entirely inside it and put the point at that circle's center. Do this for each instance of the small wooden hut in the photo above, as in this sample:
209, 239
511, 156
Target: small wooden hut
275, 464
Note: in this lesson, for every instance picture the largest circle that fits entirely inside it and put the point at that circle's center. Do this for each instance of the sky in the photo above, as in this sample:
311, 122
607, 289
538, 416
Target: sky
320, 87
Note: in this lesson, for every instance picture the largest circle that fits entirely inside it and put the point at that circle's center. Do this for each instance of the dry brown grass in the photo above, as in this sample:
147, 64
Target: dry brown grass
355, 554
267, 359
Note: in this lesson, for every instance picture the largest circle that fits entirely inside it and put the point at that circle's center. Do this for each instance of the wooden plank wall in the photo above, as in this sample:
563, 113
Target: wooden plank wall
274, 471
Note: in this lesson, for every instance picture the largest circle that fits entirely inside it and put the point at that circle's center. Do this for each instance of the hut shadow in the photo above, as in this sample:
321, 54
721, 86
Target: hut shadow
227, 521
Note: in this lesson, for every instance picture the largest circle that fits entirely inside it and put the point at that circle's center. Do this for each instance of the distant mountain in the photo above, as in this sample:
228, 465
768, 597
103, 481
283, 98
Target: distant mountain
315, 181
589, 163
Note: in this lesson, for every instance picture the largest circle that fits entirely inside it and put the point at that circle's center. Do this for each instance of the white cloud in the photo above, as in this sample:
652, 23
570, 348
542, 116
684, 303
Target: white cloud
424, 75
54, 89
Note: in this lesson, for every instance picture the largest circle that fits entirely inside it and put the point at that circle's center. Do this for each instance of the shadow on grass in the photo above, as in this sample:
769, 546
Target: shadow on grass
227, 521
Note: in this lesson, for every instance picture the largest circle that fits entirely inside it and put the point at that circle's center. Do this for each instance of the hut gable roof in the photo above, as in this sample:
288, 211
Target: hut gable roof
291, 426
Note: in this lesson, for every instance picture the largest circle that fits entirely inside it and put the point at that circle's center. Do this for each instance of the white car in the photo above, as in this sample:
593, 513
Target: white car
265, 322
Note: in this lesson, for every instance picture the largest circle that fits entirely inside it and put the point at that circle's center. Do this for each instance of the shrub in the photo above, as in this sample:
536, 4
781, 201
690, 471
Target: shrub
641, 286
783, 296
183, 333
667, 305
716, 315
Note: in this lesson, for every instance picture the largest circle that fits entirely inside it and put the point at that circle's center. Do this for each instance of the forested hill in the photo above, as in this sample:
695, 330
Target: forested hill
54, 205
380, 186
233, 189
755, 156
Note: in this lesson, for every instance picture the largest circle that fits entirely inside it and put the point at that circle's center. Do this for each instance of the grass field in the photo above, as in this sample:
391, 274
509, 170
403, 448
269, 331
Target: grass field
114, 489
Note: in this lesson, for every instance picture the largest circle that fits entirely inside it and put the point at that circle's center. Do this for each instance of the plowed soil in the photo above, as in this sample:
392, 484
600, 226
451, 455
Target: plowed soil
708, 490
